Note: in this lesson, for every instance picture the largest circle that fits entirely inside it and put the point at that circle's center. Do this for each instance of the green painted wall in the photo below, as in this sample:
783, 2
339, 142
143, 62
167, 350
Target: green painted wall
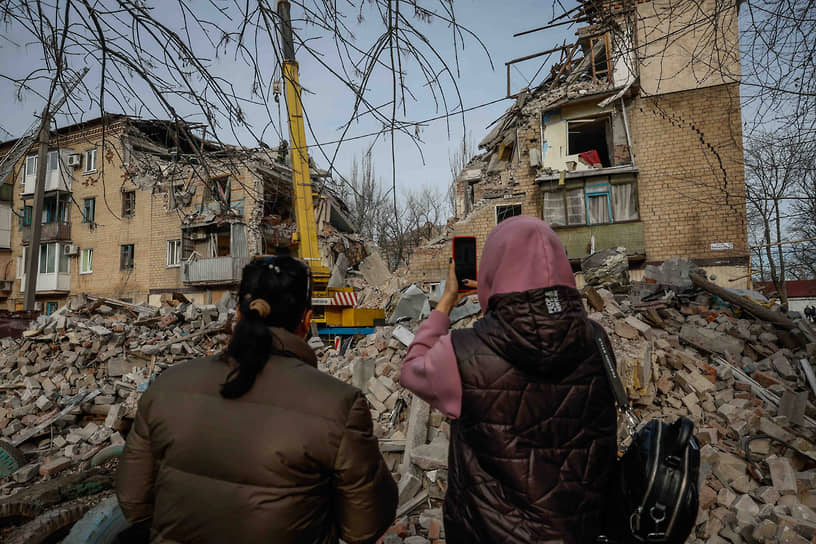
576, 240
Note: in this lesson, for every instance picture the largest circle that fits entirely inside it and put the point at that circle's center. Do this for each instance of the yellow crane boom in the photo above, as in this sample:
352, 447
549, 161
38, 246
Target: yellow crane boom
328, 310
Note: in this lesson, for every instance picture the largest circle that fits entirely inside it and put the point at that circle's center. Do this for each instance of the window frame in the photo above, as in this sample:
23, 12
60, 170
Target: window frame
92, 201
27, 216
173, 248
53, 159
32, 159
582, 185
86, 160
128, 211
86, 251
517, 204
50, 304
131, 255
607, 194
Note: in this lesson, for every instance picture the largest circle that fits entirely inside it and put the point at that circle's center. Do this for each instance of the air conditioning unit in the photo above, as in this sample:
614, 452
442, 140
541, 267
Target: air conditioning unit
71, 249
74, 159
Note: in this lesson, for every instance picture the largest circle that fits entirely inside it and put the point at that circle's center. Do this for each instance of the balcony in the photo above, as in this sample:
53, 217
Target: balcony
58, 282
578, 240
214, 271
51, 232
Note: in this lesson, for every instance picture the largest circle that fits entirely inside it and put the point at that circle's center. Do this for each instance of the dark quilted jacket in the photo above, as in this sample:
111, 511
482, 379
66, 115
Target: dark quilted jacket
533, 449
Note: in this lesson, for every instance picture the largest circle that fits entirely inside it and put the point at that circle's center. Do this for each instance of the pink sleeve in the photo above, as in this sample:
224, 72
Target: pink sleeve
430, 368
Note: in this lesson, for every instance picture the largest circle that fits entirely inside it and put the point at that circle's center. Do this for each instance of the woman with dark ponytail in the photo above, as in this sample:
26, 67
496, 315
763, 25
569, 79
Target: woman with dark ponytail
257, 445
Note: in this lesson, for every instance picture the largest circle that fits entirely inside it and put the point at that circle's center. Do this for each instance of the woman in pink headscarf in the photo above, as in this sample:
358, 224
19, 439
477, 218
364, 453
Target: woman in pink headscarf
532, 441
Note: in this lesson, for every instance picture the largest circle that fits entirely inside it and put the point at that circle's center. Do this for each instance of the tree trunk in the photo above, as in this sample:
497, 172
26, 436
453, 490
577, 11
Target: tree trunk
780, 287
769, 252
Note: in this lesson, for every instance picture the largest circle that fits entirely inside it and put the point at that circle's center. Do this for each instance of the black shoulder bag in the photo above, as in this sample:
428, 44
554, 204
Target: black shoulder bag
655, 490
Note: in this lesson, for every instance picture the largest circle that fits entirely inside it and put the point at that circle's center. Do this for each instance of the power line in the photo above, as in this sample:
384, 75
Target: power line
430, 119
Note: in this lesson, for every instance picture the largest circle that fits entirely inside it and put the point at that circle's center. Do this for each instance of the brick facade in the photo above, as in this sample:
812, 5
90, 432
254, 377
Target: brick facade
148, 229
688, 149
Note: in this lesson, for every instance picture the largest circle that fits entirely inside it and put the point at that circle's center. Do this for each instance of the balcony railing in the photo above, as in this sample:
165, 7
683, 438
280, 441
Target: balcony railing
51, 232
217, 270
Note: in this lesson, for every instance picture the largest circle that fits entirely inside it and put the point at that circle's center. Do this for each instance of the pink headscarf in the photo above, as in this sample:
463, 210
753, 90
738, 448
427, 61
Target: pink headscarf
522, 253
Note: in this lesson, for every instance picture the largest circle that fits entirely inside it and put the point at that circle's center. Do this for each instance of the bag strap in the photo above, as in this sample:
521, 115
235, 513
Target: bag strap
610, 367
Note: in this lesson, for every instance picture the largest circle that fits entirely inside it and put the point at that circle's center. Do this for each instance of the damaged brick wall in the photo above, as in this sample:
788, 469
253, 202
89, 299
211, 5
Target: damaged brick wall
688, 149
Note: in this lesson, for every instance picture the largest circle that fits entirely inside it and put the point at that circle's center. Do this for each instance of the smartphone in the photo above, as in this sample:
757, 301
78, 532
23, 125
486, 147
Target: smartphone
464, 258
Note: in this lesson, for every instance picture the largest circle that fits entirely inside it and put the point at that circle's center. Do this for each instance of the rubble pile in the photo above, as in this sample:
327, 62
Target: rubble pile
74, 376
745, 382
740, 370
413, 437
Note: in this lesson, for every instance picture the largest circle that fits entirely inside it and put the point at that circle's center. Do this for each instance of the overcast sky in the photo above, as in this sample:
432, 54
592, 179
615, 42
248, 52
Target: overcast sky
328, 104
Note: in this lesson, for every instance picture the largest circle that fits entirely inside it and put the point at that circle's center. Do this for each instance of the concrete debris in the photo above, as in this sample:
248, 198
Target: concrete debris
607, 268
411, 306
737, 376
74, 380
680, 352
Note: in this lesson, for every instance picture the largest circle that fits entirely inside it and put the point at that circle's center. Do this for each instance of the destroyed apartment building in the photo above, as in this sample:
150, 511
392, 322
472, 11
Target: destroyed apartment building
138, 209
633, 140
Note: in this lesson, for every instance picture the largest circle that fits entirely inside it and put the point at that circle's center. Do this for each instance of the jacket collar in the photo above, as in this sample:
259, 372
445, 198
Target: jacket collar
537, 330
295, 345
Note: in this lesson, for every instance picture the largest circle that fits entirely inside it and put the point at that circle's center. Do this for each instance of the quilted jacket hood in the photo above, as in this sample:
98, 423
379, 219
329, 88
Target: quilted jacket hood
538, 331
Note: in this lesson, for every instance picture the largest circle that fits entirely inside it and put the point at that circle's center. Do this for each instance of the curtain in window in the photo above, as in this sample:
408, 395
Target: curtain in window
554, 213
598, 209
624, 202
576, 209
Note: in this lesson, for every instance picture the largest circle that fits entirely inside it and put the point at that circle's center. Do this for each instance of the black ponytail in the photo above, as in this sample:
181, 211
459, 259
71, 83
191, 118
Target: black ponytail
282, 284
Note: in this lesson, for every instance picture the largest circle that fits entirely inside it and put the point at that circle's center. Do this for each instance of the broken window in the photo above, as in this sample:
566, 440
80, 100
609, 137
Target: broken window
599, 47
219, 243
591, 203
25, 219
589, 138
506, 212
126, 257
218, 190
554, 212
576, 210
86, 261
89, 210
128, 203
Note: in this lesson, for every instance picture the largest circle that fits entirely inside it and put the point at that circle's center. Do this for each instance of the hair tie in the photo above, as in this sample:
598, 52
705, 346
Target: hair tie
261, 306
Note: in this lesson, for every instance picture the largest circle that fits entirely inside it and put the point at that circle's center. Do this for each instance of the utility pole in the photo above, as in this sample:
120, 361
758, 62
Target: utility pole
36, 217
32, 264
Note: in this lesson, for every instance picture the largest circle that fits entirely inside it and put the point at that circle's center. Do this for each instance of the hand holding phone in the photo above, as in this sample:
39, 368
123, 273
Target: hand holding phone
464, 258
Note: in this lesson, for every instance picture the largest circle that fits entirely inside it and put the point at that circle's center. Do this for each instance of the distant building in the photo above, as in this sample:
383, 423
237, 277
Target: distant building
801, 293
136, 209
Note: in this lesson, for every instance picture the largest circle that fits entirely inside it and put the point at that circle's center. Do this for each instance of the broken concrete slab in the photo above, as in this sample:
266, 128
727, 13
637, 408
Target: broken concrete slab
607, 268
410, 305
431, 456
782, 474
712, 341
